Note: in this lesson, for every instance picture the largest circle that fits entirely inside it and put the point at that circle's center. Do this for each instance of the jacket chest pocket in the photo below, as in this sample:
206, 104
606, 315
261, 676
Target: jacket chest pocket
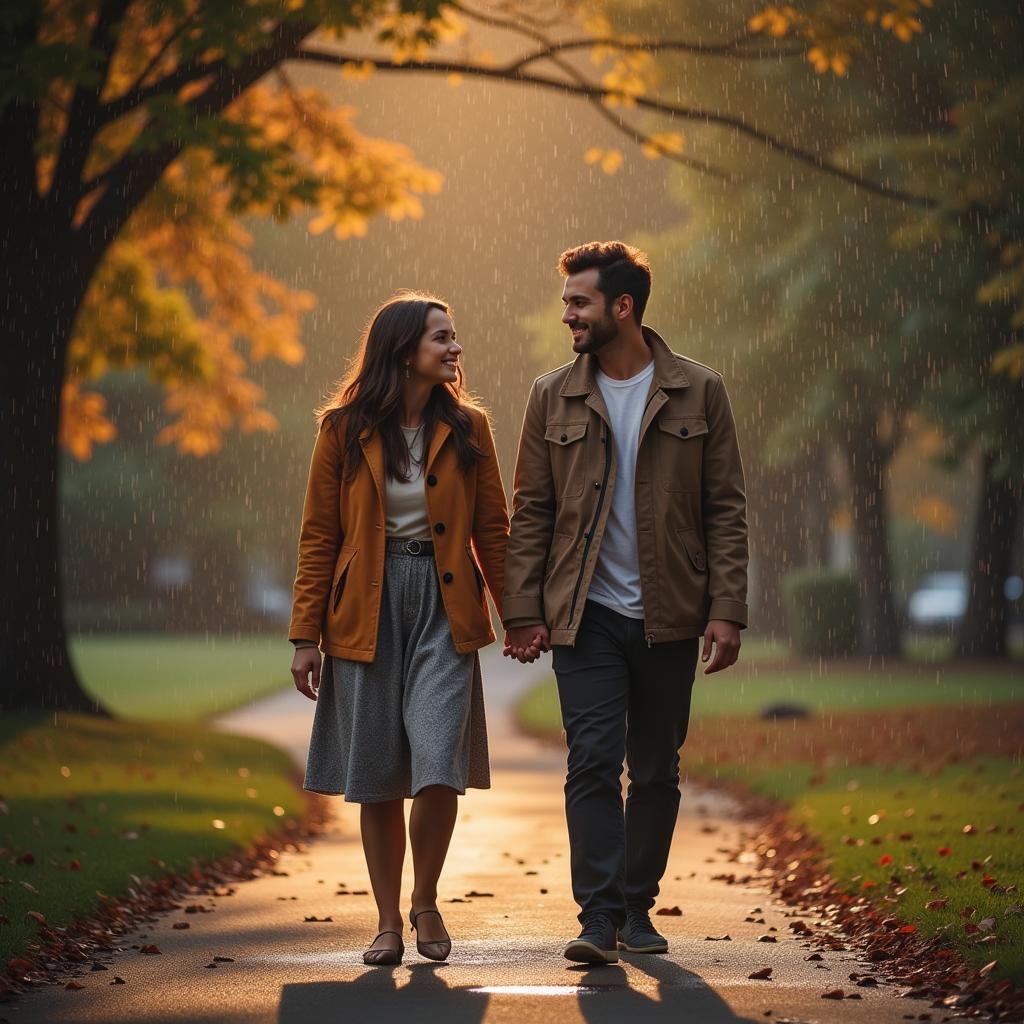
681, 451
567, 452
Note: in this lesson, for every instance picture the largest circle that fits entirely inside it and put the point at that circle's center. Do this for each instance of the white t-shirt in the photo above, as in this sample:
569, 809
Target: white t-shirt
616, 579
406, 514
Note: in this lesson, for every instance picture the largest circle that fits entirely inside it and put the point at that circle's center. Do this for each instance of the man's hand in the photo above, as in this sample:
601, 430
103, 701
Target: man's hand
726, 637
306, 664
525, 643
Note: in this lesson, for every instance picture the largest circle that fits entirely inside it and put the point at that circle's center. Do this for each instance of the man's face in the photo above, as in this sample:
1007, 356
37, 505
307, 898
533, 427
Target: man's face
586, 316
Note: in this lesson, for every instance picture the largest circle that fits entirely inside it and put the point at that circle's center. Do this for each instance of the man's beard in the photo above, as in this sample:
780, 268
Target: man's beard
597, 336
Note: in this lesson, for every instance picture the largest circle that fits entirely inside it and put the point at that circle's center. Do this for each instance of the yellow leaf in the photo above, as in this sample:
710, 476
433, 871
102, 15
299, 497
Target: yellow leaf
455, 79
592, 155
359, 71
611, 161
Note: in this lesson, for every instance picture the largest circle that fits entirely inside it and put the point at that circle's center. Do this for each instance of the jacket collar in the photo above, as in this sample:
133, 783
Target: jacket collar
373, 452
582, 376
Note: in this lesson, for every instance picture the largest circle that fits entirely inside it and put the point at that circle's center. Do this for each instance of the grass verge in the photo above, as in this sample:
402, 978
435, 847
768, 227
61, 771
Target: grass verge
180, 677
921, 807
86, 803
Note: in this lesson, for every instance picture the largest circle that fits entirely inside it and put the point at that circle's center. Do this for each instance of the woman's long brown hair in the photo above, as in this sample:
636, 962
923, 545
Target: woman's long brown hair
369, 396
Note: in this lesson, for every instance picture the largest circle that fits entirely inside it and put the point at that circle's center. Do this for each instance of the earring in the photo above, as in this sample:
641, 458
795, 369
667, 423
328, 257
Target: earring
406, 371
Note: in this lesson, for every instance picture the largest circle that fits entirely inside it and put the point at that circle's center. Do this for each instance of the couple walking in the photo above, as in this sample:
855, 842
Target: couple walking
626, 557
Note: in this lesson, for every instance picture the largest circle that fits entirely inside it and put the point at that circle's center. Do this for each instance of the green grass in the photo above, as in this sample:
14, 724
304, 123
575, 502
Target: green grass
863, 815
93, 801
187, 677
828, 687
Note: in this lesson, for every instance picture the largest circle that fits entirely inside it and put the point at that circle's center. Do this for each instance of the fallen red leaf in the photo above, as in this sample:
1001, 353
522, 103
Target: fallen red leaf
944, 851
936, 904
885, 859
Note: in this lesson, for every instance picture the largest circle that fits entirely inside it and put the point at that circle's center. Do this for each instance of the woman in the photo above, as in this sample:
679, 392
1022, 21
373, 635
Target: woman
403, 489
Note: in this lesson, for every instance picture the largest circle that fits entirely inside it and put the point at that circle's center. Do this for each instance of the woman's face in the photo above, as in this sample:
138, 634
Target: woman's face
436, 359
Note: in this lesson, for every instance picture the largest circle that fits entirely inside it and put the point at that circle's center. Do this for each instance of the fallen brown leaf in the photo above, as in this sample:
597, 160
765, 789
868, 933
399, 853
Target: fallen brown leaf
764, 974
668, 912
150, 950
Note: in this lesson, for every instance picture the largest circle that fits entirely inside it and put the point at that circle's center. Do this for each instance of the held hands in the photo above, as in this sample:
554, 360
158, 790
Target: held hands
306, 671
726, 638
525, 643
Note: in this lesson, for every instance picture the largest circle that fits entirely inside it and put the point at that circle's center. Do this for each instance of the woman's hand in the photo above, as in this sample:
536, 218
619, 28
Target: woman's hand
306, 671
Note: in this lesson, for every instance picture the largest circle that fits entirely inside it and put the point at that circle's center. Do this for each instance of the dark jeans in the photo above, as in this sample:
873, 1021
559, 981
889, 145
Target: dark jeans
621, 698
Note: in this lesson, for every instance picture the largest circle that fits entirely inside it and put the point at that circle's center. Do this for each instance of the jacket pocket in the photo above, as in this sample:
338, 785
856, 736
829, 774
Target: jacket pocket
694, 549
476, 569
340, 574
681, 451
567, 451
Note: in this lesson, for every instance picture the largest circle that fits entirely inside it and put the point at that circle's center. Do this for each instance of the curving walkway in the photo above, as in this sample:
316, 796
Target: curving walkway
506, 964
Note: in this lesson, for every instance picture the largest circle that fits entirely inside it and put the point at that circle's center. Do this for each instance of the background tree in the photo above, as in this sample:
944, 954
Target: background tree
133, 129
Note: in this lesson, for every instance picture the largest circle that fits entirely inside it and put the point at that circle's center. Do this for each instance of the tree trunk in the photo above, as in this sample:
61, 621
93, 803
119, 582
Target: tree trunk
867, 461
776, 545
982, 633
44, 282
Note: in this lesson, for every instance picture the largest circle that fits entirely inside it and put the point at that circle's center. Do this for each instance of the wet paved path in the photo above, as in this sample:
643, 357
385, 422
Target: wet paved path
506, 963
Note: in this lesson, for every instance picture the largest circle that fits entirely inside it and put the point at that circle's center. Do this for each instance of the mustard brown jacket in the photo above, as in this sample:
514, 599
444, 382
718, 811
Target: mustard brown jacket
690, 501
337, 594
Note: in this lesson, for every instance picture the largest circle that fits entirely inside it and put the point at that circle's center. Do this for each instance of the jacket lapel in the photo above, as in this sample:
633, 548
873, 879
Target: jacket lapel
441, 432
373, 452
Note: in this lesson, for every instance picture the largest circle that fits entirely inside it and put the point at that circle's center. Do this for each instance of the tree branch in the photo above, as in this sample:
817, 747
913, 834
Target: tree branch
738, 125
82, 123
641, 139
161, 53
126, 183
725, 48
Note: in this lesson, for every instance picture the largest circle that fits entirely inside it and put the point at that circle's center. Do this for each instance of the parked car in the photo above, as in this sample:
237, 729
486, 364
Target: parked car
940, 601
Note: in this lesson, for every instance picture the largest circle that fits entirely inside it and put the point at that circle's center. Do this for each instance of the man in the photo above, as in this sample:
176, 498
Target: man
628, 544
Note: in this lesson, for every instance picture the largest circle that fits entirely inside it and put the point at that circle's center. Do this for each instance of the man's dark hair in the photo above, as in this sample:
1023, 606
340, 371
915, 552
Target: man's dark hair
621, 270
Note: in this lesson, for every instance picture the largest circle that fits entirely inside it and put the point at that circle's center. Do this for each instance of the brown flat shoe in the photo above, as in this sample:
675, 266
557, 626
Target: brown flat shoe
384, 957
439, 949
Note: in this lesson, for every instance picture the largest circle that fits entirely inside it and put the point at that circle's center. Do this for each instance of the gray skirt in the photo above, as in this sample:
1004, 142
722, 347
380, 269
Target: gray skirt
411, 718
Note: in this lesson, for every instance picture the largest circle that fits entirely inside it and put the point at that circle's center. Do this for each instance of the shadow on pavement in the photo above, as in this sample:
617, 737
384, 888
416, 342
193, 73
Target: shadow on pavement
681, 995
603, 995
384, 995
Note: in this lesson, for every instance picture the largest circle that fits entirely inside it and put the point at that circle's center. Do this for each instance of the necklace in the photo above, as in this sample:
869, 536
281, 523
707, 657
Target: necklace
412, 444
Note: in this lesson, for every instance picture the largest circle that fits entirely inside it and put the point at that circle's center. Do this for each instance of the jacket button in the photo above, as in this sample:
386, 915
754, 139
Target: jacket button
439, 528
432, 480
565, 437
597, 485
684, 431
447, 577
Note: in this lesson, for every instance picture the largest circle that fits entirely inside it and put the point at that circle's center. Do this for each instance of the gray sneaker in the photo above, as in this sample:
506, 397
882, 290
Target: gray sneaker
638, 935
596, 943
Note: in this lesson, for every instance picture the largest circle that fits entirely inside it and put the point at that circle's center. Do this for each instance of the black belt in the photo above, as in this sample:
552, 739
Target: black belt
409, 547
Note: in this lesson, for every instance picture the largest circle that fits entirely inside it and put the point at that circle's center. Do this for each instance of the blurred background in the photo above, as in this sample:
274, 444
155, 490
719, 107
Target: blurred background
206, 205
881, 443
